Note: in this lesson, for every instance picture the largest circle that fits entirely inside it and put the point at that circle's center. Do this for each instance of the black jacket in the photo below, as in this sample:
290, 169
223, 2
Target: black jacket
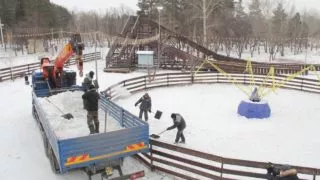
178, 122
86, 82
91, 99
145, 103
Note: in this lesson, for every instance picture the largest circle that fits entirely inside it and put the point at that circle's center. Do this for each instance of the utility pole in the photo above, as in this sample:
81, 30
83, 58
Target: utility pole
1, 25
95, 54
204, 13
51, 43
159, 42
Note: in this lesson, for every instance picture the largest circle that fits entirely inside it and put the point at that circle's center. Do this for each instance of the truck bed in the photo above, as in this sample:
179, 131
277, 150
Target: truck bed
130, 138
71, 102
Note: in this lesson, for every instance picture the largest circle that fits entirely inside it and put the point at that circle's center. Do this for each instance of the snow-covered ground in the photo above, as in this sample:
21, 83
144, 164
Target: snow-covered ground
8, 57
307, 56
212, 126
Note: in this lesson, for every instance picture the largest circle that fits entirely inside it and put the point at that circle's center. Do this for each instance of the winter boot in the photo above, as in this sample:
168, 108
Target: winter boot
96, 127
91, 128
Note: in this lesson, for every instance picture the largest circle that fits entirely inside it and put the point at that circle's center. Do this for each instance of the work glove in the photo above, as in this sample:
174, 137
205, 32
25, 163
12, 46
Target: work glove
135, 104
96, 84
168, 129
149, 110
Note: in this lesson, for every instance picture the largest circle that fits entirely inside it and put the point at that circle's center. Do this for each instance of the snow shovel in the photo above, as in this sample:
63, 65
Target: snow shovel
157, 115
157, 136
66, 116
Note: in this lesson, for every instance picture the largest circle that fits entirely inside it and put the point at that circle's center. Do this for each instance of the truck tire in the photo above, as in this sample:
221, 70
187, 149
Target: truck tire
53, 162
46, 143
33, 111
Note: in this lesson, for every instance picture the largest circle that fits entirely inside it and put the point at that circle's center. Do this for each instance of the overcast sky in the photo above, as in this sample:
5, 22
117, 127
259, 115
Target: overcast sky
87, 5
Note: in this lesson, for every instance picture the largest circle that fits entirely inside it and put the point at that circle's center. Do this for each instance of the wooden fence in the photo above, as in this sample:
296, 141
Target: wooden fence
191, 164
20, 71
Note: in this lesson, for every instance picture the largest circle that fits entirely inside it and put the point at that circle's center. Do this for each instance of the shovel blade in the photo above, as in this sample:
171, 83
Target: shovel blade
67, 116
154, 136
158, 115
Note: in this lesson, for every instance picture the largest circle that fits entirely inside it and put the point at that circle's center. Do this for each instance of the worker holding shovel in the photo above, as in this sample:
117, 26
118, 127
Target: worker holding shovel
92, 97
145, 106
180, 124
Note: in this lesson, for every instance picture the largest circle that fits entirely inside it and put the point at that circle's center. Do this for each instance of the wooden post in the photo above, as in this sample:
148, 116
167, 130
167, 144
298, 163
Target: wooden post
151, 158
121, 117
145, 82
105, 121
192, 78
221, 172
11, 70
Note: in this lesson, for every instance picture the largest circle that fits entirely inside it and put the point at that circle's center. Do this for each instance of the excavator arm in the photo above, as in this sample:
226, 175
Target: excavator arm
65, 54
73, 47
54, 72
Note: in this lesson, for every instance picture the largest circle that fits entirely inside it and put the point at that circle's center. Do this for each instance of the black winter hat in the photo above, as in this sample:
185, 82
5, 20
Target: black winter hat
173, 115
91, 73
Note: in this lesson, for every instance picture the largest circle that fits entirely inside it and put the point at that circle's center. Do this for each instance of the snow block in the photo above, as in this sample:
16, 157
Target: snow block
258, 110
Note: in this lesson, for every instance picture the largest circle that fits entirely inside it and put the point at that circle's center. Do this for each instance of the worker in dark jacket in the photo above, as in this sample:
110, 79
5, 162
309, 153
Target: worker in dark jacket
87, 80
145, 106
180, 124
255, 95
92, 98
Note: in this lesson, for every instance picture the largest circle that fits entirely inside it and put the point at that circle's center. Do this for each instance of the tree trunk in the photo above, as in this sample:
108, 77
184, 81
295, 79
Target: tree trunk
204, 10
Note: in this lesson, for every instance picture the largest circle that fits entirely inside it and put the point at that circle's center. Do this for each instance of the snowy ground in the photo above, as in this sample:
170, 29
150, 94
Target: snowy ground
307, 56
8, 58
213, 126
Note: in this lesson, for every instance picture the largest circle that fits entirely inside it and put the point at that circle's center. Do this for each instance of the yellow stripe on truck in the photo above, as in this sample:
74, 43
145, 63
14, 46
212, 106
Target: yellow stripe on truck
86, 157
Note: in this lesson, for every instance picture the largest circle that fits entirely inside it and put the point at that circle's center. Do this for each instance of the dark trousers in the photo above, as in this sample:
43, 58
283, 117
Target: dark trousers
180, 135
145, 112
93, 122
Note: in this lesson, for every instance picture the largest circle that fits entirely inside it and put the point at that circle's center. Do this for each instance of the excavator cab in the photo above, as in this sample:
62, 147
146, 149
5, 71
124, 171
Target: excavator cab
47, 70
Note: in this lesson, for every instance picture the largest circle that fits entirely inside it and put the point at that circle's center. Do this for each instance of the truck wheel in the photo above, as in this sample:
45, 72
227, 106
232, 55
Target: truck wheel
33, 112
54, 162
46, 143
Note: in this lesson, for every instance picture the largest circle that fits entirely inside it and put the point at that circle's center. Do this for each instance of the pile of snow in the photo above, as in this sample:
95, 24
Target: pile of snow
122, 92
71, 102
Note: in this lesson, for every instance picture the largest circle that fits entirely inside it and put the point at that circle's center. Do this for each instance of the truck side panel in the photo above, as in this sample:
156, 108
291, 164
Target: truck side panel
125, 118
94, 149
89, 150
52, 138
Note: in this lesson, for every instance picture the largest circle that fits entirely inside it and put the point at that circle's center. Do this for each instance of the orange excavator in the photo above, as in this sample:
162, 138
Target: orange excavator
54, 73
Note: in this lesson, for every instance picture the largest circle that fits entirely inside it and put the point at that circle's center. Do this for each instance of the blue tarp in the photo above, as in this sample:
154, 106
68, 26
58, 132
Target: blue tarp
251, 109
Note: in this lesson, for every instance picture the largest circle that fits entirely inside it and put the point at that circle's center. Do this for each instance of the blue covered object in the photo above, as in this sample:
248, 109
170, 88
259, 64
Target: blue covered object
258, 110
